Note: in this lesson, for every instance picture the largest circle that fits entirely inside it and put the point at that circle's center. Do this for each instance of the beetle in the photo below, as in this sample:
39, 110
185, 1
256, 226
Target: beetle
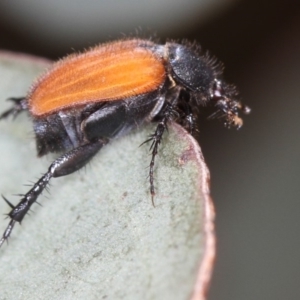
85, 100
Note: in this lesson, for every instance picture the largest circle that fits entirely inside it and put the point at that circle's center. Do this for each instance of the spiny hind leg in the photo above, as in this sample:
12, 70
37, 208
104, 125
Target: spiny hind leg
64, 165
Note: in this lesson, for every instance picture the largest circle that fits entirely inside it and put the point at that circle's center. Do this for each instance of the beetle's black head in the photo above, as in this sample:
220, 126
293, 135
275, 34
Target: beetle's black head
199, 75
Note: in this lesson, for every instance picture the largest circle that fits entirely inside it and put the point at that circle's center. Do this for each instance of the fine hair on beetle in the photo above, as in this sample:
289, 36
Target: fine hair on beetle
85, 100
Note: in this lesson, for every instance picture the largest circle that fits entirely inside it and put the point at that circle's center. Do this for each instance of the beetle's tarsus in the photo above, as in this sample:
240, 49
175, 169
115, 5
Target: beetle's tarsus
7, 232
152, 199
19, 105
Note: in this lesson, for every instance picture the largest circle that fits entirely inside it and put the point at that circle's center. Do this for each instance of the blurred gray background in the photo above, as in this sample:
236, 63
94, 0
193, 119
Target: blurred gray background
255, 171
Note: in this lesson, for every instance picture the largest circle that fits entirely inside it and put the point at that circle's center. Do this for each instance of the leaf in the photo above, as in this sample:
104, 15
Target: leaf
97, 235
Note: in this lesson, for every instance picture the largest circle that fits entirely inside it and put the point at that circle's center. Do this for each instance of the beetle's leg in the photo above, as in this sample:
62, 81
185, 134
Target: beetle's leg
186, 115
64, 165
19, 104
156, 138
189, 121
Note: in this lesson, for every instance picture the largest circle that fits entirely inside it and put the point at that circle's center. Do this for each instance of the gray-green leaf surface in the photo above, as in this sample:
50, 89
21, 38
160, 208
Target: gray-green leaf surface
97, 235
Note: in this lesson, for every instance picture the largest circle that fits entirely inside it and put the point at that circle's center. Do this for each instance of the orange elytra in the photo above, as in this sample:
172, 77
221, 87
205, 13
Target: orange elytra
108, 72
